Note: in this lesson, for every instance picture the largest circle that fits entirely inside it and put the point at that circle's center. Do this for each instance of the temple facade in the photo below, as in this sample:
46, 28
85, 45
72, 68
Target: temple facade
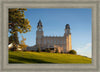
62, 44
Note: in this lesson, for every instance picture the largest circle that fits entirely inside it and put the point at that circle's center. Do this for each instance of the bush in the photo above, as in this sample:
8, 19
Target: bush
39, 50
32, 50
24, 50
72, 52
62, 52
57, 51
46, 50
49, 50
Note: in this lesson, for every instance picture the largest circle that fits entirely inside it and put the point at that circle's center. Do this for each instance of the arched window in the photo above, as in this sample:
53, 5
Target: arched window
44, 41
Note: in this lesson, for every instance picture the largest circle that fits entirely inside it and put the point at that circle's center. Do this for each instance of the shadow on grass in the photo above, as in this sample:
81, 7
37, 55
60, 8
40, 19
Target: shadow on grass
25, 60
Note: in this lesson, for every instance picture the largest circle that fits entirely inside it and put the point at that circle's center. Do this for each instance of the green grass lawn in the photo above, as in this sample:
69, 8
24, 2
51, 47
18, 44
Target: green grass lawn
44, 57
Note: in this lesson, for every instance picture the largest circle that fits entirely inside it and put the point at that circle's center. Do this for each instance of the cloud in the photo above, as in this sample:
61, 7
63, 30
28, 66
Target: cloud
87, 45
85, 51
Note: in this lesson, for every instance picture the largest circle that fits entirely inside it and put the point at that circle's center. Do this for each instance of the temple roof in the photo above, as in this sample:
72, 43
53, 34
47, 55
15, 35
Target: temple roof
67, 26
39, 24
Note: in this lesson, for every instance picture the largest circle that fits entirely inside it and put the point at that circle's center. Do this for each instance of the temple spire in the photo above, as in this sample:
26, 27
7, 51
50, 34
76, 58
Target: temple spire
67, 30
39, 24
67, 26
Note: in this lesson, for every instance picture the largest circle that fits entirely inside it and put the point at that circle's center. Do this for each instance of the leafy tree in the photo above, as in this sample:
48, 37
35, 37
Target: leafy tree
14, 38
11, 39
72, 52
17, 23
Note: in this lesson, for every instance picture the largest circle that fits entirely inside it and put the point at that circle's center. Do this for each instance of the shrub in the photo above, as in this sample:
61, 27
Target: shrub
32, 50
46, 50
57, 51
39, 50
49, 50
72, 52
62, 52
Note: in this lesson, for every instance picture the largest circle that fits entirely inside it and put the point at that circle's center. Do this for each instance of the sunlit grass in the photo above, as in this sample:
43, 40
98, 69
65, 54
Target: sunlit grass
44, 57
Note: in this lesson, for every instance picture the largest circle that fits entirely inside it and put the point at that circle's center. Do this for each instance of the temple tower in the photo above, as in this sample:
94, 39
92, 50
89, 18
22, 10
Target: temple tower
39, 33
67, 36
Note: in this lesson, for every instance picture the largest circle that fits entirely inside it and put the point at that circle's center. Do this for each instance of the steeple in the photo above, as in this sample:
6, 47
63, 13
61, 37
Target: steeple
68, 38
39, 24
67, 30
39, 32
67, 26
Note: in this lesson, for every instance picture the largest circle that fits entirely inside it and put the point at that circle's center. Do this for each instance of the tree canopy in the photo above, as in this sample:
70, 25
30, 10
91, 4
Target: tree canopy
17, 21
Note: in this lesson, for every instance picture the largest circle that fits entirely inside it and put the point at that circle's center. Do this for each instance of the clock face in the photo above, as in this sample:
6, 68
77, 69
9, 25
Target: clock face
40, 29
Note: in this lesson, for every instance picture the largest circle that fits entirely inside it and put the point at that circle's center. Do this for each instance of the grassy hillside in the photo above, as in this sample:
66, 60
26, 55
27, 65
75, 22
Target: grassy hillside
43, 57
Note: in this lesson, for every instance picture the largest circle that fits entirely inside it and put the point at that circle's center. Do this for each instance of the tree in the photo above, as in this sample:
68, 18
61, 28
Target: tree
17, 23
23, 45
14, 39
11, 39
72, 52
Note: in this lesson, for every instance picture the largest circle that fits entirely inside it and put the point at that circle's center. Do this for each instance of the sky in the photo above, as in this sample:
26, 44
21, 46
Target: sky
54, 21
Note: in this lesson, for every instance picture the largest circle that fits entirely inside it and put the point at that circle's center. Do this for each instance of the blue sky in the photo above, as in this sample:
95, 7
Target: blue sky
54, 21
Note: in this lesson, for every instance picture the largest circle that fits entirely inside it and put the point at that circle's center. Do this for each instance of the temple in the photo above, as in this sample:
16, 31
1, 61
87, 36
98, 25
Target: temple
62, 44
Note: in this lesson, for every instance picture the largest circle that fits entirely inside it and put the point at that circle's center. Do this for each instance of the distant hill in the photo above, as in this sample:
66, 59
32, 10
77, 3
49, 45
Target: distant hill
44, 57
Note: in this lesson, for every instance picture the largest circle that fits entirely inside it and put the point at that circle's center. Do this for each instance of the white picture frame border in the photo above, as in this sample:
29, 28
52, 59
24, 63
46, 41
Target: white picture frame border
93, 4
